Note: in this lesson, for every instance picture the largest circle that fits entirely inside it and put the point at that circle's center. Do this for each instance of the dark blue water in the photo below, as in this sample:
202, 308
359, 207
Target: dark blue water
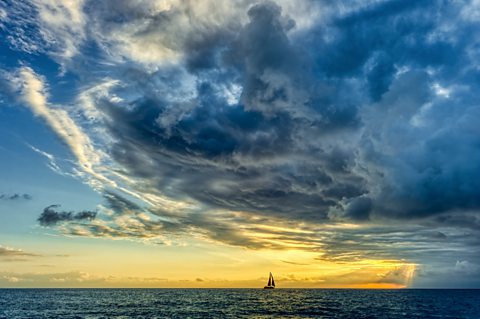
238, 303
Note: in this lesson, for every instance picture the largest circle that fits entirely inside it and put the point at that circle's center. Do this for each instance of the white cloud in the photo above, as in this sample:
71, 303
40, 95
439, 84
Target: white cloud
34, 94
62, 25
3, 14
152, 33
52, 163
155, 33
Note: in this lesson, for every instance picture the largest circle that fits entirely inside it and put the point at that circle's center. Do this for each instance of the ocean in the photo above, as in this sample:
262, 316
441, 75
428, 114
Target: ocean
238, 303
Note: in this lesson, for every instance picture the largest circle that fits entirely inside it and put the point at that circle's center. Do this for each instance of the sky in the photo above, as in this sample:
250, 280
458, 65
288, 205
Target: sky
183, 143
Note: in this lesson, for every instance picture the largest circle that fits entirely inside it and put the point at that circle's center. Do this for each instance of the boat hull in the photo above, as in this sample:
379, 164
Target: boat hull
268, 287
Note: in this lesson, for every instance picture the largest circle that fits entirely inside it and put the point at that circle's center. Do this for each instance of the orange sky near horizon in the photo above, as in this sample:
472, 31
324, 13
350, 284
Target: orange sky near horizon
196, 265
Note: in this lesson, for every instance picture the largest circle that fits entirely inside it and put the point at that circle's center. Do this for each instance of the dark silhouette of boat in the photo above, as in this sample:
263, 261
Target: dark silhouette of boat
271, 283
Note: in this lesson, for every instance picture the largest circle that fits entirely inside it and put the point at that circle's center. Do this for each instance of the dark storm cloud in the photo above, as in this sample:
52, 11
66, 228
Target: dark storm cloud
431, 167
214, 155
51, 217
261, 155
359, 208
15, 197
470, 221
381, 34
340, 121
423, 163
278, 75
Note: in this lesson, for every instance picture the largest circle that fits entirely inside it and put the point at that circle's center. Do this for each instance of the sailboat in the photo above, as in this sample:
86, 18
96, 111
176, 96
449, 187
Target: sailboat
271, 283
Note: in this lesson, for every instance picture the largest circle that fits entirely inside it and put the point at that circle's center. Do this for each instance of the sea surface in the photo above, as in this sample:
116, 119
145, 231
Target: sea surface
238, 303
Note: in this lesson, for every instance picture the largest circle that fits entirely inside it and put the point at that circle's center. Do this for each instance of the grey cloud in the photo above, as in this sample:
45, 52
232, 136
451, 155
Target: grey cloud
359, 209
118, 203
15, 196
423, 164
460, 273
470, 221
50, 216
220, 165
417, 244
134, 224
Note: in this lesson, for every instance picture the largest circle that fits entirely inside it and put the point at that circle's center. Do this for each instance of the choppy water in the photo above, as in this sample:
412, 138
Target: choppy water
238, 303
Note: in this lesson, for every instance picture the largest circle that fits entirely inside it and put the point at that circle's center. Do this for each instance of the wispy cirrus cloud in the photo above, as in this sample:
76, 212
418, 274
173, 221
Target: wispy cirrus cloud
34, 94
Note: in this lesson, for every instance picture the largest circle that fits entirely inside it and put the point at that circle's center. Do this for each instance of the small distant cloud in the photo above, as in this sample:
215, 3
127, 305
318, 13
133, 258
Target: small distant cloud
466, 267
436, 235
199, 280
51, 216
15, 196
8, 252
293, 263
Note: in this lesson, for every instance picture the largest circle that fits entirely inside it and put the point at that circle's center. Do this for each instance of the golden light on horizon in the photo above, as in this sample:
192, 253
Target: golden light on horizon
205, 266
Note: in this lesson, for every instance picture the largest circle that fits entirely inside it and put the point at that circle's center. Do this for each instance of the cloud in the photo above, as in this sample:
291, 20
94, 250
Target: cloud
118, 218
185, 26
18, 20
52, 161
51, 217
34, 94
15, 196
461, 273
8, 254
361, 276
50, 27
65, 279
294, 263
62, 23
